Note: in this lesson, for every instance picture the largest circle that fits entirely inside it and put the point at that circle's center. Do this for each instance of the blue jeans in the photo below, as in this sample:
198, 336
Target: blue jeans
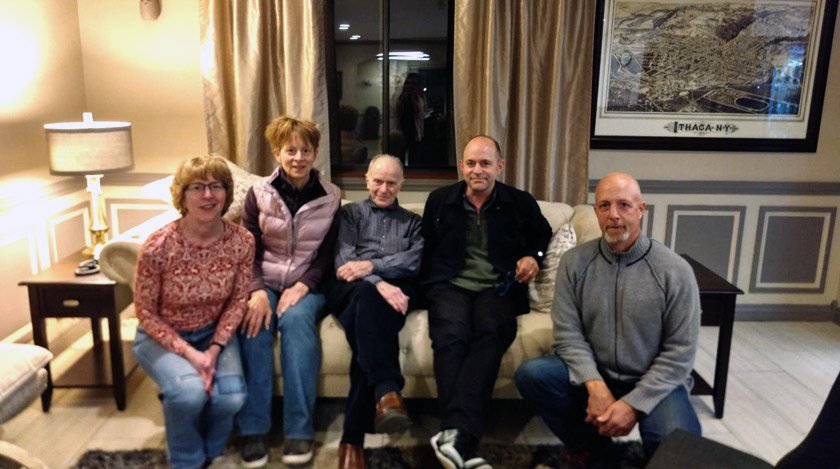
544, 383
300, 360
197, 425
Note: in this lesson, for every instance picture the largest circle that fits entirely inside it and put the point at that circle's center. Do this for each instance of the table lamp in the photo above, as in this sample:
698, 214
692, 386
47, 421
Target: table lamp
92, 149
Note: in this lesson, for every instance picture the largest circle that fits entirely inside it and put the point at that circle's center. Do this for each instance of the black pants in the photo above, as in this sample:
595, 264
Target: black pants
371, 326
470, 332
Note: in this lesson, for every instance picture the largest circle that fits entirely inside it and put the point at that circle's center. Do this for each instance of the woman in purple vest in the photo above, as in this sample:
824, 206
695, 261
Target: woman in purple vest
291, 215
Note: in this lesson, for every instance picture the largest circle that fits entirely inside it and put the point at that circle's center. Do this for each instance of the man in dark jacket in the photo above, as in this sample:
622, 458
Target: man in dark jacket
484, 241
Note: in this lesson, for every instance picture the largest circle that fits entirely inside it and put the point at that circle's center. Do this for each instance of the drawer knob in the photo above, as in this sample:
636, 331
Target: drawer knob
70, 303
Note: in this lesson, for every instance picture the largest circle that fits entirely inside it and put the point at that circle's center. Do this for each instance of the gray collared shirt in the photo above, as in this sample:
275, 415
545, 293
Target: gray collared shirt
389, 237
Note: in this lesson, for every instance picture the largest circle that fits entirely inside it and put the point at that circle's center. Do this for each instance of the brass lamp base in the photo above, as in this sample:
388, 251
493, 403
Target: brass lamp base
98, 223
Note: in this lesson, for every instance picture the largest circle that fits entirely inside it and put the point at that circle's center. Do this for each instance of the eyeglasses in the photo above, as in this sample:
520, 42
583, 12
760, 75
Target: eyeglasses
200, 187
503, 286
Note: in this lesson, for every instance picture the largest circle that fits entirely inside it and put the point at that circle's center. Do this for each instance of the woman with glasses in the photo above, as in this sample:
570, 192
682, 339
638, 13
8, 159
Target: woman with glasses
191, 291
290, 214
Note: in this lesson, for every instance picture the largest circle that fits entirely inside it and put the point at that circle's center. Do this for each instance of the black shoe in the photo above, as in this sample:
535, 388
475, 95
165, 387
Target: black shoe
297, 452
253, 451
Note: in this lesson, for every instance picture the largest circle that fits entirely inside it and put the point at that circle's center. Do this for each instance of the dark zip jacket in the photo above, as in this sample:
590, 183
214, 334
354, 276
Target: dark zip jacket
515, 228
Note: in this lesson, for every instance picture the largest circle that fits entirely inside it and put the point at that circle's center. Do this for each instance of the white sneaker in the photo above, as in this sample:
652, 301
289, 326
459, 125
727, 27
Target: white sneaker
477, 463
444, 445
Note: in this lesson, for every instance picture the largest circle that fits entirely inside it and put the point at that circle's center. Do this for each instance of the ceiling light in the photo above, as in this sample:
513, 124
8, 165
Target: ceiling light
343, 27
354, 37
406, 55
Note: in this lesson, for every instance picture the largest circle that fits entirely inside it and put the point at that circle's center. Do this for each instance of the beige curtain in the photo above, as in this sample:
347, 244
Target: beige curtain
261, 59
523, 73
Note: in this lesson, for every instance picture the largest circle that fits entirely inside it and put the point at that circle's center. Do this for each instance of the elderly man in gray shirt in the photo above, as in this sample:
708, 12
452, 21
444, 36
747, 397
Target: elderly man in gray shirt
626, 318
378, 254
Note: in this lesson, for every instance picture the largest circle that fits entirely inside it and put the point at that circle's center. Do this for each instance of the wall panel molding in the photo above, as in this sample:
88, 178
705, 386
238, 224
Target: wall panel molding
734, 187
49, 191
647, 221
68, 232
19, 252
124, 214
794, 242
703, 243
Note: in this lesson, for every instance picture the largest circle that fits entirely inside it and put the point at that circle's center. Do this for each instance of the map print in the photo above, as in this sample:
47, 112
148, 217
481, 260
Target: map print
709, 58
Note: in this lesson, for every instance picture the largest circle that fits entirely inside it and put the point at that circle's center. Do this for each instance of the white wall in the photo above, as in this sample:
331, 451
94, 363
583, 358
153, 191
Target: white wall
41, 81
148, 73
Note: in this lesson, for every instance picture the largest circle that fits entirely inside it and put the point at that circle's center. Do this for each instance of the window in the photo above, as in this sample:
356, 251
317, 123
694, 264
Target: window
413, 118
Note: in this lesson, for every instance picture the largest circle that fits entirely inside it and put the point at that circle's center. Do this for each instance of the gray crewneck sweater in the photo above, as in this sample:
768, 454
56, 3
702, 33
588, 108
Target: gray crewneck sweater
632, 316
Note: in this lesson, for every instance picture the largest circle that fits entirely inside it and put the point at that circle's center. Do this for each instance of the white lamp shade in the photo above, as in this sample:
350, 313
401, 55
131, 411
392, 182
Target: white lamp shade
89, 147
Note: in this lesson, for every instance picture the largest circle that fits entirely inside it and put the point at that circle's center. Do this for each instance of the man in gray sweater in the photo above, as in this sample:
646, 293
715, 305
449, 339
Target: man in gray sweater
626, 317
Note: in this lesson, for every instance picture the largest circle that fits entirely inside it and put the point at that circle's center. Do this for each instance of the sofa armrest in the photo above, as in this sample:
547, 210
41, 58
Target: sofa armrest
118, 258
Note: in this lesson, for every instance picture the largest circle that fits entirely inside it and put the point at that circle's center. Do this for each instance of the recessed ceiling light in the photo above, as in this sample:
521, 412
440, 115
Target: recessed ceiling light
406, 55
354, 37
343, 27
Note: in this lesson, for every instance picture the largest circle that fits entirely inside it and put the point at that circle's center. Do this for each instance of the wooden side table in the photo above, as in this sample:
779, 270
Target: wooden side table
58, 293
717, 300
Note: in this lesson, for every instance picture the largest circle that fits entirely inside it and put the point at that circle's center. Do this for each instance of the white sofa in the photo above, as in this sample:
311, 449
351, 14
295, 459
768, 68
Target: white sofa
533, 338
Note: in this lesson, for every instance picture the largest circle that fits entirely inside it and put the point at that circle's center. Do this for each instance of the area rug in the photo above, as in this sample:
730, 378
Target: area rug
625, 456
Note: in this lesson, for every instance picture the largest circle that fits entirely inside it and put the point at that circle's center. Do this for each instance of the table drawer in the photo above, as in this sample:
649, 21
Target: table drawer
74, 302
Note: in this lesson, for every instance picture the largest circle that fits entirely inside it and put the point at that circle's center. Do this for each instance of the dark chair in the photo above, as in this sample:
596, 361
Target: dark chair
685, 450
821, 447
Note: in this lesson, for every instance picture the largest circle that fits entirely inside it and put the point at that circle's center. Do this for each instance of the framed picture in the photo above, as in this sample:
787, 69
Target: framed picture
720, 75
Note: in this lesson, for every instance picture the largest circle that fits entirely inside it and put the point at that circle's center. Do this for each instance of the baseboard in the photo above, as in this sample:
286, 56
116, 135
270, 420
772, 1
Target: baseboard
786, 312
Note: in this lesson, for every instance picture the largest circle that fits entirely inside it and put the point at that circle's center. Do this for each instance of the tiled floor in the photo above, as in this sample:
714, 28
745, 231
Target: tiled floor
779, 376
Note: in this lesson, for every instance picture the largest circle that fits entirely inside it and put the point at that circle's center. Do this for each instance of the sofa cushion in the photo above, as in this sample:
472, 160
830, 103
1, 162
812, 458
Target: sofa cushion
556, 213
541, 290
585, 223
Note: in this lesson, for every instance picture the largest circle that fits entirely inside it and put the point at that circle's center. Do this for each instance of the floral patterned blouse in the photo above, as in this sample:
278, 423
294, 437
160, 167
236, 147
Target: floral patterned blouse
180, 286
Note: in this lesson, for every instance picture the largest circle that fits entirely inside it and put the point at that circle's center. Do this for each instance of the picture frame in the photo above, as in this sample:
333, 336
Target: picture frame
710, 75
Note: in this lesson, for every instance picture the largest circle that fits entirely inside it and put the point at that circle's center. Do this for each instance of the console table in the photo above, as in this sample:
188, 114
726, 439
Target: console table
58, 293
717, 300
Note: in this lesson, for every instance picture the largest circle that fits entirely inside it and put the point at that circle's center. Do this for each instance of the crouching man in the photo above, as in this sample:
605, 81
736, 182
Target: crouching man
626, 317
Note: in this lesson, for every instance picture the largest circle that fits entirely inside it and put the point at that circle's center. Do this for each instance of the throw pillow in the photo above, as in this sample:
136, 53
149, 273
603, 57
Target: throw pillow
242, 181
541, 289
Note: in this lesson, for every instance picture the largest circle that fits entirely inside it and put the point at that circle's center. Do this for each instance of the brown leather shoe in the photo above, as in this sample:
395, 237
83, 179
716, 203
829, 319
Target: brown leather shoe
351, 456
391, 416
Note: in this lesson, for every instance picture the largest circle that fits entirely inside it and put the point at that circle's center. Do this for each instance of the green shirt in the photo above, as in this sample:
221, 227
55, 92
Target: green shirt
478, 273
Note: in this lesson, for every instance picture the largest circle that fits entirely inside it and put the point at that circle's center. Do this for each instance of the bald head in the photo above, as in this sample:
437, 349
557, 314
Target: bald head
386, 161
481, 165
384, 179
619, 207
622, 180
